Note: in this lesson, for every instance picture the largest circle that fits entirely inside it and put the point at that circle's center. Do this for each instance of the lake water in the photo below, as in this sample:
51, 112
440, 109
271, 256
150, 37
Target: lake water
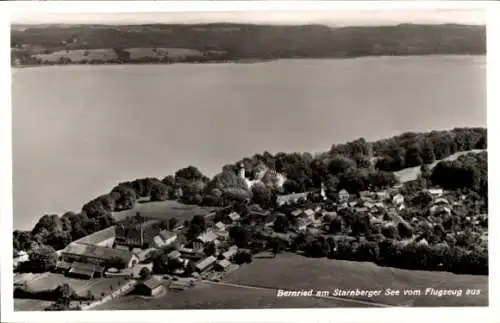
79, 130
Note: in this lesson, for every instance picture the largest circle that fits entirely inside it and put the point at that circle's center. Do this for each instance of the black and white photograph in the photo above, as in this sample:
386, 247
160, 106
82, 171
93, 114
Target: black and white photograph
232, 160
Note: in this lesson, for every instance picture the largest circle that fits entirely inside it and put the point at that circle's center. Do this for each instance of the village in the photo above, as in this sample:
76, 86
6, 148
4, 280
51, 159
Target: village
145, 255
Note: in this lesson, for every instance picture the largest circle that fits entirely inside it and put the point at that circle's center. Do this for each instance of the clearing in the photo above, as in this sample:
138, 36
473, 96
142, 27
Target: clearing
24, 304
294, 272
164, 210
411, 173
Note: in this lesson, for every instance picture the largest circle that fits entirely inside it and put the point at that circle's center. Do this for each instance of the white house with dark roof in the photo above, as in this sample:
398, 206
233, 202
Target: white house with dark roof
223, 265
343, 196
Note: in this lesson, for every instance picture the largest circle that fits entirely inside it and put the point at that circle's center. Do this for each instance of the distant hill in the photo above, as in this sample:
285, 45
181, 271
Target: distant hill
249, 41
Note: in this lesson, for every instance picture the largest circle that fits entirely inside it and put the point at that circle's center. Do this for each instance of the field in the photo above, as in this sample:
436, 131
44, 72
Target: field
50, 281
164, 210
30, 304
411, 173
290, 271
207, 296
78, 55
137, 53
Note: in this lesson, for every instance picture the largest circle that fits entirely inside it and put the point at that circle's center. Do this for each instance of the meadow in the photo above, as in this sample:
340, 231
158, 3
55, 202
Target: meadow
411, 173
207, 296
290, 271
164, 210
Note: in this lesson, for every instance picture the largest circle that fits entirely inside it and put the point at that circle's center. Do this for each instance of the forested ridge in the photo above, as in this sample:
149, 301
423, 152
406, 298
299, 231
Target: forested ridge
355, 166
232, 42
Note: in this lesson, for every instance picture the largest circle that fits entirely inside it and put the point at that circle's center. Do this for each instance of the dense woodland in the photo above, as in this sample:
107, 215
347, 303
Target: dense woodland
248, 41
355, 166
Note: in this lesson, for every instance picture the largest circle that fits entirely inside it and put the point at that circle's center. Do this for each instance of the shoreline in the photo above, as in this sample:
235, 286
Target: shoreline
244, 61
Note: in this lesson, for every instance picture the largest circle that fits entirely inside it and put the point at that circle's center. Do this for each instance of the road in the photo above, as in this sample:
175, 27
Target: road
342, 299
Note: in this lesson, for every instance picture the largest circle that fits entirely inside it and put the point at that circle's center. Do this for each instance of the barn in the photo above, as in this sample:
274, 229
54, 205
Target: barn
97, 255
150, 287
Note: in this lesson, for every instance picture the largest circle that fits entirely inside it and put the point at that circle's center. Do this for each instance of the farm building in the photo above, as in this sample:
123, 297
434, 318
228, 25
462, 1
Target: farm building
441, 201
85, 270
103, 238
222, 265
137, 232
164, 238
78, 252
150, 287
205, 264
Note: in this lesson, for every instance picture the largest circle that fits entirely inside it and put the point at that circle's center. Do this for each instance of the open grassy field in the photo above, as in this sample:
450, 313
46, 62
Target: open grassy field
164, 210
207, 296
293, 272
25, 304
50, 281
411, 173
78, 55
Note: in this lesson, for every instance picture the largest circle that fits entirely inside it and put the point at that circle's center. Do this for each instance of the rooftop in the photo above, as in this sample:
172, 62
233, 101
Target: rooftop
204, 263
93, 251
151, 283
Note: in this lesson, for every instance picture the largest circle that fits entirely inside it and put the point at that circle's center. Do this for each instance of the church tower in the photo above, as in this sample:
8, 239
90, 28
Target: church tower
241, 171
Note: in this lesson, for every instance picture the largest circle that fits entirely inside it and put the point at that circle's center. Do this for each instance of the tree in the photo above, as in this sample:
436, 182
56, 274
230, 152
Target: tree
405, 230
239, 235
262, 196
281, 224
172, 223
145, 273
210, 249
159, 192
335, 225
42, 259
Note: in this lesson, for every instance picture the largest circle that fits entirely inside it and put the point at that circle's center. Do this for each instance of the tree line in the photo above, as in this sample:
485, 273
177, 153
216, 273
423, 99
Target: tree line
257, 42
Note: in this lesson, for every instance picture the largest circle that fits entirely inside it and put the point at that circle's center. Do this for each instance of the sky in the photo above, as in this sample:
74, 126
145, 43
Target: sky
333, 18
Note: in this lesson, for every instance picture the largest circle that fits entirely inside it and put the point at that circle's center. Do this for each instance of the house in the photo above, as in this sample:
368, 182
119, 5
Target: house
150, 287
222, 265
309, 213
145, 254
381, 196
234, 216
436, 191
220, 226
83, 253
175, 254
398, 199
229, 254
302, 224
206, 237
343, 196
20, 257
296, 213
290, 198
137, 232
205, 264
164, 238
441, 201
439, 210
